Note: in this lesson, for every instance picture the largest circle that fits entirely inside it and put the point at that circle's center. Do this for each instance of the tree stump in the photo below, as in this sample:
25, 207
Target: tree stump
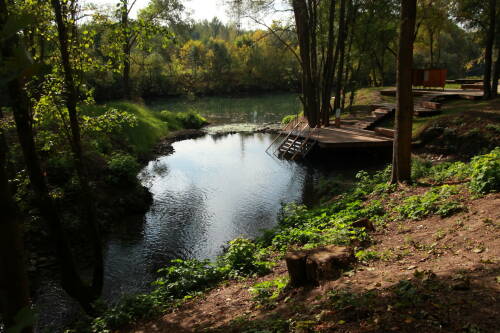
310, 267
296, 265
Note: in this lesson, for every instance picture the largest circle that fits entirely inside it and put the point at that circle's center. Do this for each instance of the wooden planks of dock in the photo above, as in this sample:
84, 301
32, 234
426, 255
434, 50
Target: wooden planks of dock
348, 137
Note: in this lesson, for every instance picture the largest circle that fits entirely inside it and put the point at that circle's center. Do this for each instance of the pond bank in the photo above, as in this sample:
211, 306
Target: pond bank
412, 270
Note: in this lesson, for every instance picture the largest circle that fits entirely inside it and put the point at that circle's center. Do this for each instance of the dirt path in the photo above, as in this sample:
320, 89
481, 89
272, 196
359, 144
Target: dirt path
433, 275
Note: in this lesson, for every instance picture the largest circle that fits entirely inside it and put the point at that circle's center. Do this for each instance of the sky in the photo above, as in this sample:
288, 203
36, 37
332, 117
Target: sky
200, 9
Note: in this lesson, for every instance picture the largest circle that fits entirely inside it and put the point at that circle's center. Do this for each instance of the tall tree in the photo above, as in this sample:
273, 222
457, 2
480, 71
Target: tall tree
317, 70
341, 51
401, 160
13, 276
488, 51
76, 145
496, 66
20, 67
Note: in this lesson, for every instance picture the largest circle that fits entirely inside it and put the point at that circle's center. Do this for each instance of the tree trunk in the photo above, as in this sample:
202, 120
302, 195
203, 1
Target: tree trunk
401, 161
86, 193
341, 52
496, 67
329, 67
431, 47
13, 276
309, 99
496, 74
126, 51
19, 101
488, 52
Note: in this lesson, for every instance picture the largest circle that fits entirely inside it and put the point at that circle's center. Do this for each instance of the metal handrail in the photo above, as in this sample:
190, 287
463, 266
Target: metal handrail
309, 134
296, 138
298, 120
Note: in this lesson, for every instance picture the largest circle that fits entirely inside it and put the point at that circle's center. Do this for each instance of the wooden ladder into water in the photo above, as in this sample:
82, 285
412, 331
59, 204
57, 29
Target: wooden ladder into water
298, 141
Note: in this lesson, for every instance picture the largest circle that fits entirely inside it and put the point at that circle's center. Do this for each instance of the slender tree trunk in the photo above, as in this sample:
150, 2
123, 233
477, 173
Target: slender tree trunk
309, 100
401, 161
126, 51
431, 47
341, 47
13, 276
488, 52
496, 74
496, 67
329, 67
86, 193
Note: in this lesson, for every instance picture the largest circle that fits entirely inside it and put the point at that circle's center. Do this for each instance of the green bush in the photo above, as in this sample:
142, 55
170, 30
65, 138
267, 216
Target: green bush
288, 119
192, 119
485, 174
187, 276
122, 167
179, 120
242, 258
131, 309
435, 201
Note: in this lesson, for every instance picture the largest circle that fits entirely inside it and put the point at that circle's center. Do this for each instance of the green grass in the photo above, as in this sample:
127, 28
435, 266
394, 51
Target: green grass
150, 128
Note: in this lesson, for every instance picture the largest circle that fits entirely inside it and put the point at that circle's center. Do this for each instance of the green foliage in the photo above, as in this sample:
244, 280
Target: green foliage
242, 258
179, 120
485, 175
367, 255
122, 167
266, 293
184, 277
331, 224
435, 201
192, 120
370, 182
148, 127
291, 117
129, 310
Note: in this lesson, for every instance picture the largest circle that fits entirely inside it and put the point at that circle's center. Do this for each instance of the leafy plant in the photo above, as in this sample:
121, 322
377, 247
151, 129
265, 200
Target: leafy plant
435, 201
187, 276
122, 167
242, 259
267, 292
485, 175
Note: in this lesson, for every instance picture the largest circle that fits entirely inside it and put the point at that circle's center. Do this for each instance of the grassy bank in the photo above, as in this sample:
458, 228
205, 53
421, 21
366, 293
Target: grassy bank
441, 191
150, 125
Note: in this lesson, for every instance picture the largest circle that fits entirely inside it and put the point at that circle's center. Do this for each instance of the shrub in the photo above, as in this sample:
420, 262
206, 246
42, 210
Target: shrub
288, 119
435, 201
122, 167
192, 119
187, 276
485, 174
242, 259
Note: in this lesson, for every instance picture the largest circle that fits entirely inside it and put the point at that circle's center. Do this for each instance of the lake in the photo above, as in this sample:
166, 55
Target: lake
259, 109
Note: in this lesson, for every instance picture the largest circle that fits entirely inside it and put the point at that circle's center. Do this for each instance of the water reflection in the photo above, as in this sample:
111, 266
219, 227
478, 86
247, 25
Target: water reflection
246, 109
211, 190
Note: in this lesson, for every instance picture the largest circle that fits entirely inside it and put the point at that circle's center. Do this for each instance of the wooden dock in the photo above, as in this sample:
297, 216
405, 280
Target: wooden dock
347, 137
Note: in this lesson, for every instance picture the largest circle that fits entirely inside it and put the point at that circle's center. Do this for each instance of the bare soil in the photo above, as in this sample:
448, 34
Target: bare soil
433, 275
